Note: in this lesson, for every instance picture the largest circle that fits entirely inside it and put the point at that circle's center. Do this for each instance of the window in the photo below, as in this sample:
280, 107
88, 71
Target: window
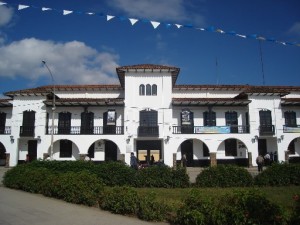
148, 89
154, 89
187, 121
109, 122
27, 128
266, 127
65, 149
290, 119
2, 122
87, 123
209, 118
148, 124
64, 123
142, 89
230, 147
232, 121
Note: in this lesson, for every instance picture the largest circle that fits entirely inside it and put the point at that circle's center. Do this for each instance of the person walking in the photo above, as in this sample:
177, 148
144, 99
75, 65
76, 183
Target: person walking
133, 161
260, 163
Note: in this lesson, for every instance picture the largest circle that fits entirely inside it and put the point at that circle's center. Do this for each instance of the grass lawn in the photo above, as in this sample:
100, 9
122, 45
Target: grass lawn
283, 196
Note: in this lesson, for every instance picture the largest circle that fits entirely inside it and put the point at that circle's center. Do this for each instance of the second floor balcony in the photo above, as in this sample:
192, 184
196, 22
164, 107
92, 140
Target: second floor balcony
78, 130
238, 129
266, 130
27, 131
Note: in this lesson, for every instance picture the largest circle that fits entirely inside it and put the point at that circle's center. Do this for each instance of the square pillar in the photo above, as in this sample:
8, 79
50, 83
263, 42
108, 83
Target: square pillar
213, 158
7, 159
250, 159
174, 161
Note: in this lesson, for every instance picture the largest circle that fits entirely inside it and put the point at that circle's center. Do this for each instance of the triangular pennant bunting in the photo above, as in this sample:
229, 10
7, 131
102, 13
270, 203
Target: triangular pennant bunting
90, 13
155, 24
20, 7
3, 3
178, 25
109, 17
66, 12
132, 21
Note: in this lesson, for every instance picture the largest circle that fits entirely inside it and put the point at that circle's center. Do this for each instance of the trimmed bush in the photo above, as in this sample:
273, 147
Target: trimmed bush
283, 174
240, 208
295, 217
224, 176
162, 176
150, 209
120, 200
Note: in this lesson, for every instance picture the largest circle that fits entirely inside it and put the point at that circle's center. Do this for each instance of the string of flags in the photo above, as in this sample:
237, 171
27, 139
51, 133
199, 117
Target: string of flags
155, 24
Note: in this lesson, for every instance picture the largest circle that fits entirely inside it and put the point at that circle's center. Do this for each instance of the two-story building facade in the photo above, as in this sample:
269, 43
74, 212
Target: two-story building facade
150, 115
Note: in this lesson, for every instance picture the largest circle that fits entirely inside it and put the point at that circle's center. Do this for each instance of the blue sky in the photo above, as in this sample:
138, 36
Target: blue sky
80, 48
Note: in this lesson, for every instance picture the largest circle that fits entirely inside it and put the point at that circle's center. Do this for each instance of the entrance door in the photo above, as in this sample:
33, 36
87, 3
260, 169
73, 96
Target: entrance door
32, 150
187, 149
111, 151
262, 147
147, 149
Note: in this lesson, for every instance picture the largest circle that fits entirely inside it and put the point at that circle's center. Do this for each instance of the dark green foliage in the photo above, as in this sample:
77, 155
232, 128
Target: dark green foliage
295, 218
224, 176
150, 209
115, 174
279, 175
238, 208
120, 200
162, 176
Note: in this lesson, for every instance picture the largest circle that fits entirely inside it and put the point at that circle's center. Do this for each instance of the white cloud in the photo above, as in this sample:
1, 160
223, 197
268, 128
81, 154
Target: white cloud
70, 63
161, 10
295, 29
6, 15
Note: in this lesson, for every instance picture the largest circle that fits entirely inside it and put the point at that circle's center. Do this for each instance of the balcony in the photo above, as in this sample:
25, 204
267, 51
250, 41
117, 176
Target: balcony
291, 129
148, 131
27, 131
266, 130
5, 130
78, 130
238, 129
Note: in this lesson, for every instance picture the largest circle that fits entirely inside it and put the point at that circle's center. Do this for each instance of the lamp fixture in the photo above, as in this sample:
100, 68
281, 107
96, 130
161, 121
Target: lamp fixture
12, 140
39, 139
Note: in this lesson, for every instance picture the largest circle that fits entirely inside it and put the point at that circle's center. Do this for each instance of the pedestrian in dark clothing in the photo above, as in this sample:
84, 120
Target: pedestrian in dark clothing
260, 163
133, 161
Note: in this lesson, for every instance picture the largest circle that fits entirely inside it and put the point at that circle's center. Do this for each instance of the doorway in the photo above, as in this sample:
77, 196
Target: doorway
187, 149
148, 149
262, 147
32, 150
111, 151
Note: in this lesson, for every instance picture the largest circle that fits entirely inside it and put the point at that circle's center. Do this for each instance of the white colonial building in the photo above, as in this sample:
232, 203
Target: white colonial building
149, 114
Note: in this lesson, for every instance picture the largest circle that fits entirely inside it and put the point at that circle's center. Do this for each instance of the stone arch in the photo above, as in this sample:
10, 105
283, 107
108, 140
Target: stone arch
65, 149
104, 150
2, 155
293, 150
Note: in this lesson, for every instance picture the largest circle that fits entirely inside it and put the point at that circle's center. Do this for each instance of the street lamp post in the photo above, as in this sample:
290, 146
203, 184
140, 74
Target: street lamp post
53, 111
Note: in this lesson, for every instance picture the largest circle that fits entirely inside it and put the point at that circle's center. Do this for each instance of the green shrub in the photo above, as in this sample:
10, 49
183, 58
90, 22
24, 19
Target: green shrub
162, 176
224, 176
279, 175
295, 217
80, 188
247, 207
150, 209
237, 208
115, 174
196, 209
120, 200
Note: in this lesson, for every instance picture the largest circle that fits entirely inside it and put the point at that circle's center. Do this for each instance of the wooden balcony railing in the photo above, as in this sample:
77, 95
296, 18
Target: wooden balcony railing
5, 130
27, 131
239, 129
78, 130
266, 130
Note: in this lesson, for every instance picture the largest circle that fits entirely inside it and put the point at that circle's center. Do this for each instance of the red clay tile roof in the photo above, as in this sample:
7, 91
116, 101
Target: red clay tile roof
210, 101
138, 68
4, 102
86, 101
290, 101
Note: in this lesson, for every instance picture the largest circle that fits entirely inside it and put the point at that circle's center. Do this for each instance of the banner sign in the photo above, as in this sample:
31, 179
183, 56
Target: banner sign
212, 130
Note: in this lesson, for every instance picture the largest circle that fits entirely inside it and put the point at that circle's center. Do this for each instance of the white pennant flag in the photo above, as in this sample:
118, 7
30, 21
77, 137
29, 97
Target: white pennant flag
108, 17
45, 9
242, 36
20, 7
132, 21
178, 25
66, 12
90, 13
155, 24
3, 3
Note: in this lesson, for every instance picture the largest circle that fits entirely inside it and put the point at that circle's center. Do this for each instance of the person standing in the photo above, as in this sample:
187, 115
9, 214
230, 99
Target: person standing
183, 160
260, 163
133, 161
